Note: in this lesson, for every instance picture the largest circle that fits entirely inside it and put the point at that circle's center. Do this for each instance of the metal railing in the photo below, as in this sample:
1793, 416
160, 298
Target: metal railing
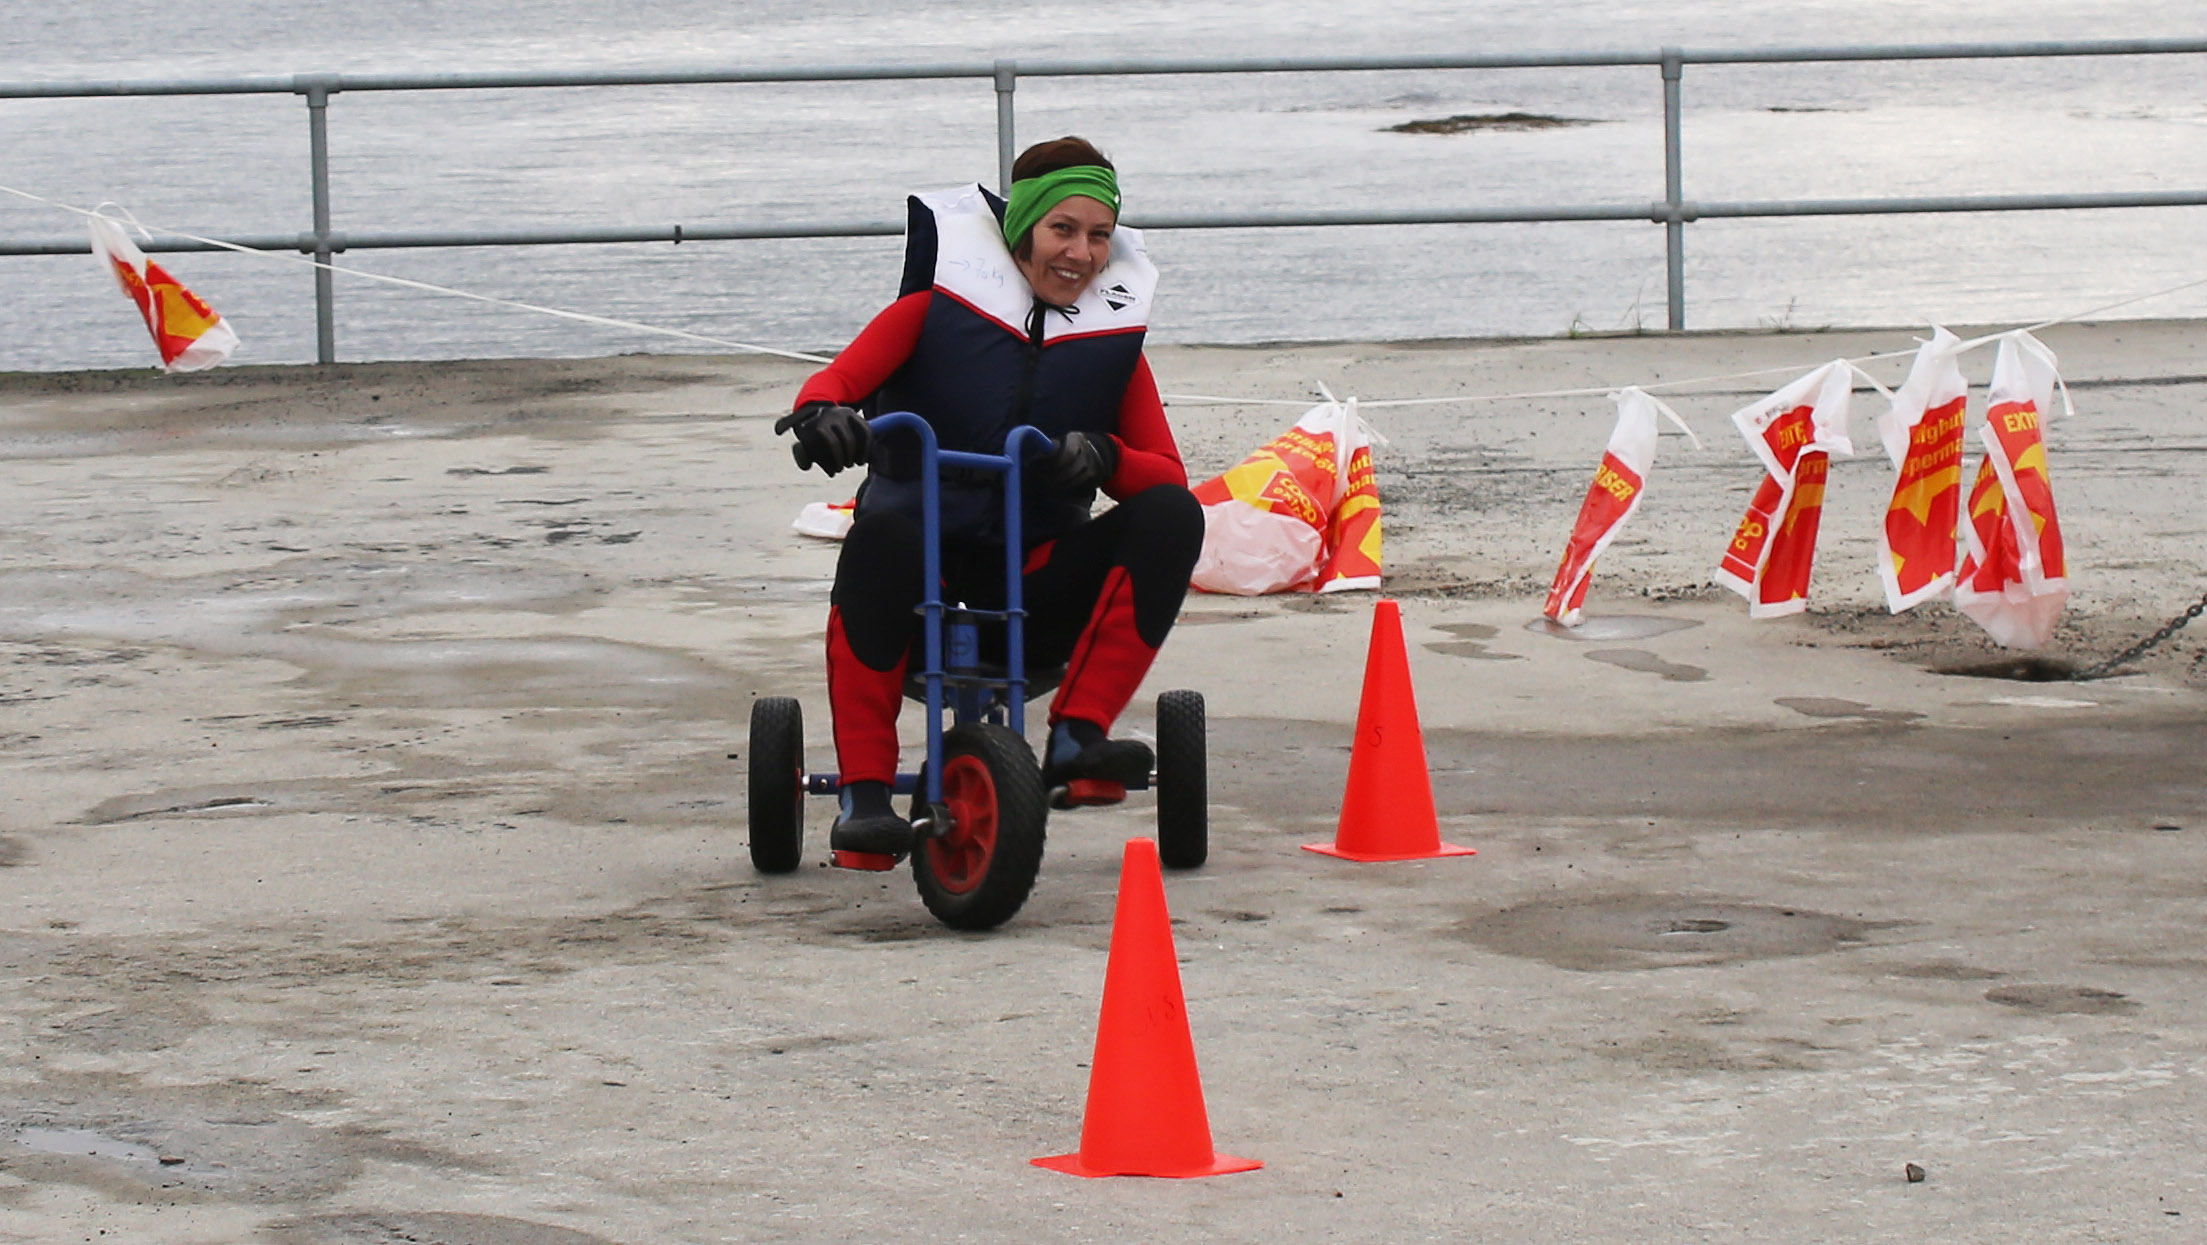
1674, 211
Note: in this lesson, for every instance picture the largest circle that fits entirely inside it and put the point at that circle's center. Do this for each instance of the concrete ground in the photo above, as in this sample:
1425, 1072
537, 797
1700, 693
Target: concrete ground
371, 868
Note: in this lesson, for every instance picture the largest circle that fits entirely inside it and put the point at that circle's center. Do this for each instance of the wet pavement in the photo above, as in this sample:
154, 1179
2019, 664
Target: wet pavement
372, 867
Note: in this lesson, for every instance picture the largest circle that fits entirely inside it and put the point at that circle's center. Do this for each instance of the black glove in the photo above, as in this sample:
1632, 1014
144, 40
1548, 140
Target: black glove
829, 437
1082, 461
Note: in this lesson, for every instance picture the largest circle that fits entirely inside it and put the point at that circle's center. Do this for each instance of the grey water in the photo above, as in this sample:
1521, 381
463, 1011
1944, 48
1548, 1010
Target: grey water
230, 165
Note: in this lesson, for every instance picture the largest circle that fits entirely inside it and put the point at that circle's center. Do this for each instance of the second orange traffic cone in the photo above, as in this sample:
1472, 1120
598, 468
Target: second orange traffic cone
1387, 812
1145, 1101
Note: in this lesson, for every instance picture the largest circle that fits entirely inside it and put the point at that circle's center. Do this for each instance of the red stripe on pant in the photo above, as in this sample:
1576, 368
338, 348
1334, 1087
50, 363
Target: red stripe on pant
864, 702
1108, 661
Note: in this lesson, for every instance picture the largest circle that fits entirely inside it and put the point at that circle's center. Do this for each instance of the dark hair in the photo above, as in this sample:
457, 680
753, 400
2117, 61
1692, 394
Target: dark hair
1058, 153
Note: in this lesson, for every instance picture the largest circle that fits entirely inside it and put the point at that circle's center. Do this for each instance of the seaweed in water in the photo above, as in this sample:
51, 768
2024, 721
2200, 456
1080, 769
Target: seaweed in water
1464, 123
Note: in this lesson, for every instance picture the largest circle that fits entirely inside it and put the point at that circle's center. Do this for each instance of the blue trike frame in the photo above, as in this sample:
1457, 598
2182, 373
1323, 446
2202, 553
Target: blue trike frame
951, 638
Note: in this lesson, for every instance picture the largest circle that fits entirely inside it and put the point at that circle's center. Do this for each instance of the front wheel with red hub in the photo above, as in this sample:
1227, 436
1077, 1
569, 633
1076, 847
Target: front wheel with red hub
977, 873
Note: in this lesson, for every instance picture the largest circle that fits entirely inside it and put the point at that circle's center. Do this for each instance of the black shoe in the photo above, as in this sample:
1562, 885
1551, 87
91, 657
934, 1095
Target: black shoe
869, 824
1079, 752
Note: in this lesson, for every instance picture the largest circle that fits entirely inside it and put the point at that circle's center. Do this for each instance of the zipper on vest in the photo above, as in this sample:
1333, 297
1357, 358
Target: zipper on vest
1025, 397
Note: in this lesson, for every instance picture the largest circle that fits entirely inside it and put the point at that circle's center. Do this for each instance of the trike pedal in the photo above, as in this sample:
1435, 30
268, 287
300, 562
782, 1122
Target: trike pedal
865, 862
1087, 793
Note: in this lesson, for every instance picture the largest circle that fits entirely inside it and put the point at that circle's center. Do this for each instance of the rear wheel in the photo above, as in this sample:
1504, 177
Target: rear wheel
777, 780
978, 874
1183, 781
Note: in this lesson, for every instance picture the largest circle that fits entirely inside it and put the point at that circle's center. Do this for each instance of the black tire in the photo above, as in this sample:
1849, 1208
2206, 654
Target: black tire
979, 874
777, 774
1183, 781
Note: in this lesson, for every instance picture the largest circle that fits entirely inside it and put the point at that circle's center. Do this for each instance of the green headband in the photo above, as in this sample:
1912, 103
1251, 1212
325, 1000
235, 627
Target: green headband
1033, 198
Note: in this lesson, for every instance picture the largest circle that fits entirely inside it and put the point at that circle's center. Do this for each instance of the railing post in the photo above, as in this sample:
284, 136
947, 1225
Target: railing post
317, 89
1674, 207
1007, 81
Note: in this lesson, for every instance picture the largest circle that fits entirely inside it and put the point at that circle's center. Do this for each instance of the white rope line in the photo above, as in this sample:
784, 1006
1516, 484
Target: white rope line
1786, 369
1209, 399
2079, 315
1218, 401
582, 317
1591, 391
1973, 343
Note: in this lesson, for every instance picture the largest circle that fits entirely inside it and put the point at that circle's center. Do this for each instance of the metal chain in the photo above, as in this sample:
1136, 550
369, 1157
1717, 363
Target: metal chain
2142, 647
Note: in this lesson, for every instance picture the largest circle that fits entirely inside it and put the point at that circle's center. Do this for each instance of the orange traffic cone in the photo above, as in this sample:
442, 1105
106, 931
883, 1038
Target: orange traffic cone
1387, 811
1145, 1101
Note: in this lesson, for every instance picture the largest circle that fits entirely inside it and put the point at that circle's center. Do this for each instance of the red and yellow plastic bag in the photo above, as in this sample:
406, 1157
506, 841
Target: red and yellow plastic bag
1302, 512
1794, 433
2013, 577
186, 331
1619, 483
1922, 432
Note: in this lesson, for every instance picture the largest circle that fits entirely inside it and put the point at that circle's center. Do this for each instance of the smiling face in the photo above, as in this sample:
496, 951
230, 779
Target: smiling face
1069, 246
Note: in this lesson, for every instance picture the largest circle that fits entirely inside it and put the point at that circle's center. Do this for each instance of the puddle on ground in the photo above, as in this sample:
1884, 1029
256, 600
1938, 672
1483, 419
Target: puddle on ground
2041, 702
2032, 669
1833, 707
800, 590
1470, 642
1471, 648
83, 1141
70, 444
442, 1227
1204, 618
1611, 627
119, 605
1660, 931
206, 801
300, 613
1648, 663
2062, 1000
236, 1141
1947, 970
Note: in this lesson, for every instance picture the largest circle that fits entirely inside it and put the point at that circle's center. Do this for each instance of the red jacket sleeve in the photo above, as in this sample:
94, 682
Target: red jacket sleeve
1148, 456
872, 357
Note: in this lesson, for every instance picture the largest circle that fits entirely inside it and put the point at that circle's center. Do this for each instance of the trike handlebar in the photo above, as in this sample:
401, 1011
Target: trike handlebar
1020, 444
906, 421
